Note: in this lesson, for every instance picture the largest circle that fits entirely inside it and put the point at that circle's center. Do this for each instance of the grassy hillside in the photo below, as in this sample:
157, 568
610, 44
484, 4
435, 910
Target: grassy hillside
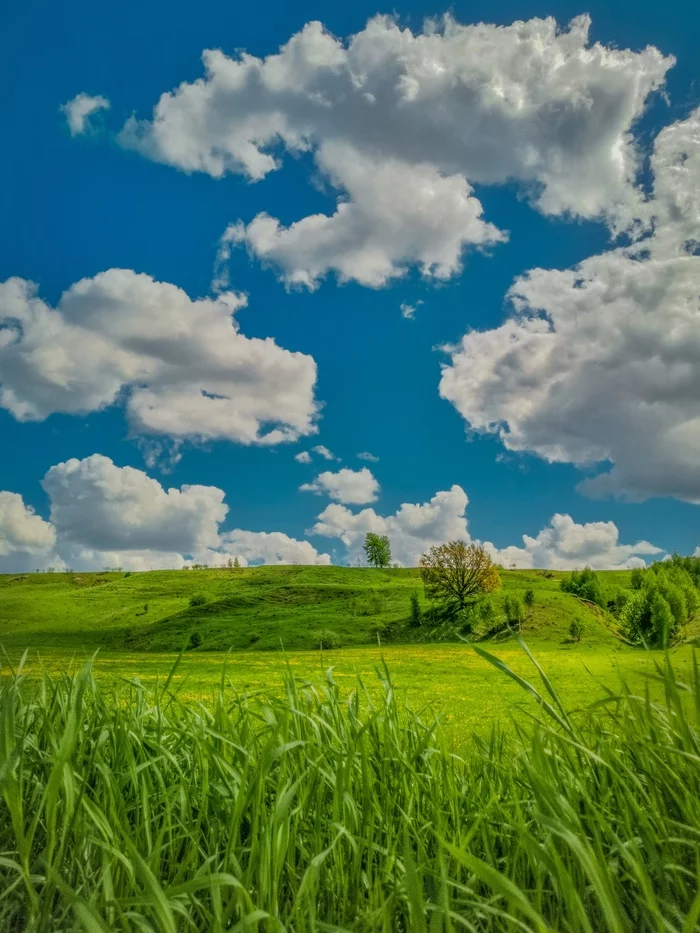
257, 608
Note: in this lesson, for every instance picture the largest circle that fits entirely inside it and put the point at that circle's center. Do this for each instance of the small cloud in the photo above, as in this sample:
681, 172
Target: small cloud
229, 238
79, 110
351, 487
303, 457
324, 452
408, 311
161, 455
366, 455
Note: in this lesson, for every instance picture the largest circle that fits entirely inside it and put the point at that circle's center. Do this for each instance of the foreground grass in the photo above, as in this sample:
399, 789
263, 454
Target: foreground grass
311, 812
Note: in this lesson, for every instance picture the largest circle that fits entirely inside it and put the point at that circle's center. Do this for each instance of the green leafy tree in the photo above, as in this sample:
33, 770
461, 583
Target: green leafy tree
529, 598
416, 611
377, 550
584, 584
515, 614
458, 574
576, 630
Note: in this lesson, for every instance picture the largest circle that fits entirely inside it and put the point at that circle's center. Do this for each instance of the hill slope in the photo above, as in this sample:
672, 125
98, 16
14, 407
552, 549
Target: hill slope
258, 607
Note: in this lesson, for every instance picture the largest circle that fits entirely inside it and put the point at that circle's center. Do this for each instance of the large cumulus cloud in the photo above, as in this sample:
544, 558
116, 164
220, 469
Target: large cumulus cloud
601, 363
181, 366
103, 515
432, 113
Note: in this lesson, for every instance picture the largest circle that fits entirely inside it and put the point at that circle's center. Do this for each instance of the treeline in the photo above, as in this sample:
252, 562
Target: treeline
657, 606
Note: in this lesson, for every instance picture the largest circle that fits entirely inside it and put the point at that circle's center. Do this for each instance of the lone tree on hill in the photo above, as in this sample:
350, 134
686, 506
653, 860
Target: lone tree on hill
458, 573
377, 549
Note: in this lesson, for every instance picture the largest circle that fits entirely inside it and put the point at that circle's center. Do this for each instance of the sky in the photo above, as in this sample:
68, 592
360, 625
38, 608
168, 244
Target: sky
271, 279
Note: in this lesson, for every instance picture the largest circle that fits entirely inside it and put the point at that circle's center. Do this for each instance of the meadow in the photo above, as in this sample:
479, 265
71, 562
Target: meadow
356, 774
310, 811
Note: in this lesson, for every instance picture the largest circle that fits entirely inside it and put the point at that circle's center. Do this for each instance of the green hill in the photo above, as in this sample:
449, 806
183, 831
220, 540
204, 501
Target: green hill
297, 607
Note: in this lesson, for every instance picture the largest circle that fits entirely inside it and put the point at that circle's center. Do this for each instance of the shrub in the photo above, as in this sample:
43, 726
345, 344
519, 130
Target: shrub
515, 615
576, 630
529, 598
195, 640
199, 599
328, 639
637, 578
584, 584
647, 618
416, 611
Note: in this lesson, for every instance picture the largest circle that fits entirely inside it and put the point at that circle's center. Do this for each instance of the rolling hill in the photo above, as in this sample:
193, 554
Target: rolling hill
295, 607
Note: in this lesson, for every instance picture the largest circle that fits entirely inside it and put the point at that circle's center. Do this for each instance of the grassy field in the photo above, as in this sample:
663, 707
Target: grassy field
256, 608
448, 681
307, 812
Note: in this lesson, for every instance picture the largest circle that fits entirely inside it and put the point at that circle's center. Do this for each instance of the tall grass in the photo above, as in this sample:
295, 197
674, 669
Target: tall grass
136, 812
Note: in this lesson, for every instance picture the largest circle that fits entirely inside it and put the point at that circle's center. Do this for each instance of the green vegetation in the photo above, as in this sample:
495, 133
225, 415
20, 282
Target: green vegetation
292, 607
306, 812
457, 575
377, 550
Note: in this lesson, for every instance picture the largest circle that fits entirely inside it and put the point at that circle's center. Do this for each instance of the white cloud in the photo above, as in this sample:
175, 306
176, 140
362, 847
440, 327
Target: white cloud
103, 515
366, 455
408, 311
376, 233
182, 367
303, 457
269, 548
431, 113
565, 545
324, 452
98, 505
353, 487
601, 363
79, 110
412, 529
24, 535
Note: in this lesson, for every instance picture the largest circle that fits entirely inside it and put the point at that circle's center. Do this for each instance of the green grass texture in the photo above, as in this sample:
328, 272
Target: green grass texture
290, 607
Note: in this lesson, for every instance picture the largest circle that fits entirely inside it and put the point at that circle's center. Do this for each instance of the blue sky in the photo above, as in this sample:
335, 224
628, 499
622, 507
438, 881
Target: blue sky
77, 205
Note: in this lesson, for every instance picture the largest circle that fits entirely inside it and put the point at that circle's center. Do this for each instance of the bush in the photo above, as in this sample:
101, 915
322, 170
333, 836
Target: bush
416, 611
515, 615
195, 640
197, 600
328, 639
618, 602
584, 584
529, 598
576, 630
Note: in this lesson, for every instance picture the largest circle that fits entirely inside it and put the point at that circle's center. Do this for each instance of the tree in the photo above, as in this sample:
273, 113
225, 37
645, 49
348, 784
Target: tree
513, 609
458, 574
576, 630
585, 585
529, 598
377, 549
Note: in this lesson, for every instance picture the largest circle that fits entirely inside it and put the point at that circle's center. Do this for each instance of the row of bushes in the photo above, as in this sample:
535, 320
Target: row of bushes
661, 600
